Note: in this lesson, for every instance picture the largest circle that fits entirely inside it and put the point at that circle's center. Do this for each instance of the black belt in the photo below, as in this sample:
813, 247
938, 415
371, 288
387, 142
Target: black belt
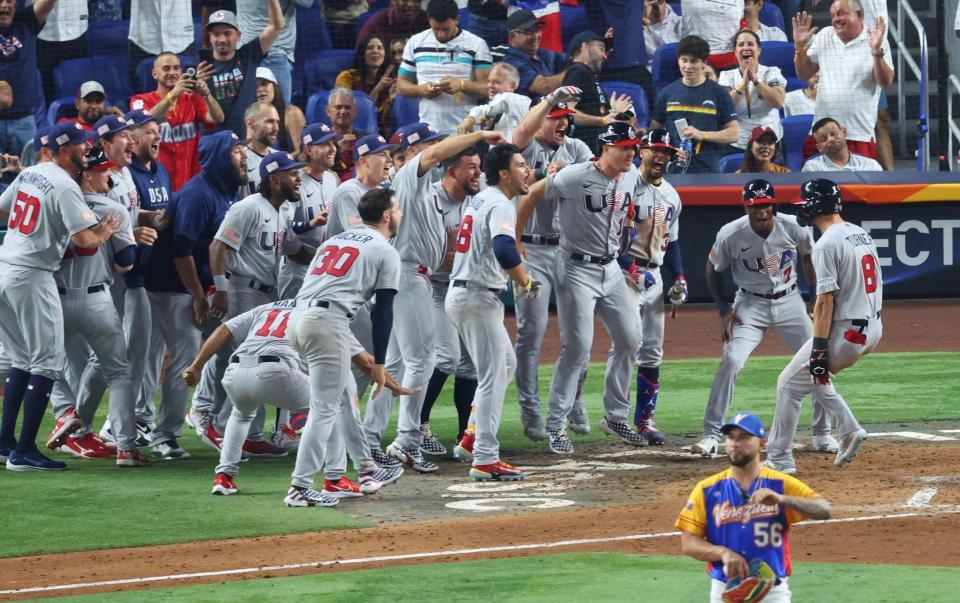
253, 284
776, 295
260, 359
540, 239
645, 263
603, 260
322, 303
863, 322
466, 284
90, 289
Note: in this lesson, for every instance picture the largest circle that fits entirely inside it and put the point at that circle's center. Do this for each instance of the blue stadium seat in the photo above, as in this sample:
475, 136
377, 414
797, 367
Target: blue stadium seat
640, 104
323, 68
665, 68
779, 54
405, 110
40, 111
62, 107
108, 39
145, 81
312, 37
772, 16
366, 120
68, 76
795, 83
729, 164
795, 130
676, 8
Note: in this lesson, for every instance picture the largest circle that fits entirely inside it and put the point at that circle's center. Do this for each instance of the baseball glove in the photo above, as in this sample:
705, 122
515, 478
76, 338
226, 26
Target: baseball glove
754, 587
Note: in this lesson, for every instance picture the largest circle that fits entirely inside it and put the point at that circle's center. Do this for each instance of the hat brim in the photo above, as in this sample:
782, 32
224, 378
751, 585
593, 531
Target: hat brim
386, 147
630, 142
209, 25
239, 141
103, 94
760, 201
528, 26
430, 138
559, 112
103, 167
731, 426
293, 166
660, 146
325, 138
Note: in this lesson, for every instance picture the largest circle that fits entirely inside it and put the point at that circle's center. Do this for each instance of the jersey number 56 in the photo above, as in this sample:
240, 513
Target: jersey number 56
767, 534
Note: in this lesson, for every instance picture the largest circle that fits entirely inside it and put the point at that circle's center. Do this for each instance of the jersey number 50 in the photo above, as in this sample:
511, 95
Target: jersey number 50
26, 210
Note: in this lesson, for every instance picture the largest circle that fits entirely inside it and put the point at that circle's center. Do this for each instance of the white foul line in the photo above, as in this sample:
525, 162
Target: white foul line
408, 556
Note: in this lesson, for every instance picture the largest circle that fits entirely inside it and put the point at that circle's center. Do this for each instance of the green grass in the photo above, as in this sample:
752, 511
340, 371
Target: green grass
567, 577
96, 505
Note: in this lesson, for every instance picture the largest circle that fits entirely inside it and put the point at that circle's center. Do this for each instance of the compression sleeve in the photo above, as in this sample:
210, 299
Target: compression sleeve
301, 226
126, 256
505, 249
673, 260
381, 318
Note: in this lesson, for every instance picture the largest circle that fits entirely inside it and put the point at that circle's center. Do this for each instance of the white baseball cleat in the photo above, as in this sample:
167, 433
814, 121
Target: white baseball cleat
708, 447
789, 470
826, 443
849, 448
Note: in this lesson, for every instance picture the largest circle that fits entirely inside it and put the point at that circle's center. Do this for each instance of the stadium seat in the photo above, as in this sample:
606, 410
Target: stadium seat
108, 40
795, 83
772, 16
366, 120
323, 68
779, 54
145, 81
795, 131
68, 76
665, 68
640, 105
676, 8
405, 110
62, 107
40, 111
729, 164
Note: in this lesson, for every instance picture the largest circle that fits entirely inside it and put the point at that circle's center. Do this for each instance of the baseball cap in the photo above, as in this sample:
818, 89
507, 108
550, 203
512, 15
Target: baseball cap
222, 17
748, 422
42, 139
138, 117
278, 161
419, 132
317, 134
110, 124
372, 143
584, 37
97, 160
91, 87
759, 131
559, 110
265, 73
522, 20
68, 132
758, 192
619, 134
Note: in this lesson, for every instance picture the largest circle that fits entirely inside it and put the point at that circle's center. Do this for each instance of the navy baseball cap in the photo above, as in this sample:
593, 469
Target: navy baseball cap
419, 132
371, 143
317, 134
68, 132
110, 124
278, 161
748, 422
42, 139
138, 117
584, 37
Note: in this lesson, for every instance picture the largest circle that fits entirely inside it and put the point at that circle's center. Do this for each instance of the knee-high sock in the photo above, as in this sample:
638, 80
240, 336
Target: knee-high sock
648, 388
463, 392
13, 390
437, 380
34, 405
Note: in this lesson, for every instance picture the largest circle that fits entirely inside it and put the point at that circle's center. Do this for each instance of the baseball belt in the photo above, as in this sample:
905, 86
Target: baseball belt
90, 289
534, 239
466, 285
776, 295
260, 359
253, 284
603, 260
320, 303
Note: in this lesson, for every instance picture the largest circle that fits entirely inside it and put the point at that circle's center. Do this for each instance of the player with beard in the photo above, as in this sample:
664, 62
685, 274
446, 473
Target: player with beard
263, 127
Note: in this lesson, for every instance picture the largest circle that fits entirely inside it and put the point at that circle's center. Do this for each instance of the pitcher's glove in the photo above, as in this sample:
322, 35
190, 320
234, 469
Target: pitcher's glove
754, 587
530, 291
564, 94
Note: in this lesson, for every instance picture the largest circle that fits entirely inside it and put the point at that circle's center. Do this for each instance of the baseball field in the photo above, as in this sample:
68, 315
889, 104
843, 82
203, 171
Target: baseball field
597, 524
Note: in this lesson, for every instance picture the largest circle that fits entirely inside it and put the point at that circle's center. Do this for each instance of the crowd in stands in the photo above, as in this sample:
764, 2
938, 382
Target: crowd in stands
721, 74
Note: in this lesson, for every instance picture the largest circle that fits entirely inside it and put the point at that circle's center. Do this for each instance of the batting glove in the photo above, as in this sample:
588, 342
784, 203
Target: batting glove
639, 279
820, 361
678, 292
530, 291
564, 94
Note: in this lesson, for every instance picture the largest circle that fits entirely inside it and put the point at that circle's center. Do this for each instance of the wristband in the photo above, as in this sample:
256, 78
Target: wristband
879, 55
540, 174
820, 343
220, 281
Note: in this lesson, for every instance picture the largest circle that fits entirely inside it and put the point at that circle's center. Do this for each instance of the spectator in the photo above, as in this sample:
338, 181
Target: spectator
182, 105
254, 16
232, 86
341, 17
756, 90
710, 73
60, 39
342, 111
716, 22
6, 93
488, 19
766, 33
18, 31
804, 101
505, 109
592, 111
832, 141
263, 128
445, 67
541, 70
704, 105
91, 105
158, 26
292, 119
373, 75
627, 52
396, 52
761, 149
401, 19
854, 66
660, 26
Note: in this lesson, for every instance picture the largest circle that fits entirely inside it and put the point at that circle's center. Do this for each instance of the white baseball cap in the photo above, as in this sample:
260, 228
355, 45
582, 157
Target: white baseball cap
90, 87
265, 73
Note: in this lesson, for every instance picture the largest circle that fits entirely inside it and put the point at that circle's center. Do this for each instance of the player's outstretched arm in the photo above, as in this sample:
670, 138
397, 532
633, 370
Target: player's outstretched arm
528, 203
191, 375
449, 147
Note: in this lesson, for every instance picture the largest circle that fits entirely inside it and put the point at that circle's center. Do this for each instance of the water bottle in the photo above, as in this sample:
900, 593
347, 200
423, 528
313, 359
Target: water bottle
687, 145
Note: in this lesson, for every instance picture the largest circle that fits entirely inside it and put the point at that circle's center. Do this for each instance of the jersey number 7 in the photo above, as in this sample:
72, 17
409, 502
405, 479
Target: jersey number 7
26, 211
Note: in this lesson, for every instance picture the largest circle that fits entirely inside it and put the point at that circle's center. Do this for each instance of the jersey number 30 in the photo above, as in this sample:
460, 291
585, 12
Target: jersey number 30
336, 261
26, 210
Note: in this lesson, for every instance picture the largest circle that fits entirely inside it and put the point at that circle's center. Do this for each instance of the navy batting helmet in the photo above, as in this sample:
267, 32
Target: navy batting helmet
620, 134
818, 197
758, 192
658, 138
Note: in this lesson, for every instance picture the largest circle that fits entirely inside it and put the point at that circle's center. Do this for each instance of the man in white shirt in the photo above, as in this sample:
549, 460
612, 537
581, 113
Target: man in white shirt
831, 140
60, 39
716, 21
158, 26
660, 26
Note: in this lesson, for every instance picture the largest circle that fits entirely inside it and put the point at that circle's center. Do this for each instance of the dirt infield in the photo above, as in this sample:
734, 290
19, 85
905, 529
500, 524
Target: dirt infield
899, 501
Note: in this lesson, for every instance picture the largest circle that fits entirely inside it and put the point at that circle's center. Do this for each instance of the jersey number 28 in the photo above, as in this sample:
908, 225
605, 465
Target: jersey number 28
26, 210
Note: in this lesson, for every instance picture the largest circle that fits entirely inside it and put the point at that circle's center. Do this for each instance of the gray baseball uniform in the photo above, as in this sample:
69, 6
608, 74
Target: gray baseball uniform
343, 275
253, 172
343, 207
316, 197
845, 260
475, 309
591, 209
765, 272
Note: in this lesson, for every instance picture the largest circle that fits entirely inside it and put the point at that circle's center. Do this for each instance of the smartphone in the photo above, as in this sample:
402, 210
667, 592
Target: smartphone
681, 125
206, 54
191, 72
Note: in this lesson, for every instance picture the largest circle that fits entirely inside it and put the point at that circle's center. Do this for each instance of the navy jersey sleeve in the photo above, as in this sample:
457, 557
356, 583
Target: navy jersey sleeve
193, 213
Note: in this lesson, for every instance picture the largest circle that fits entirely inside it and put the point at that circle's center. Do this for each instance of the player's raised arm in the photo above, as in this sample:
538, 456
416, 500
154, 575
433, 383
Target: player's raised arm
449, 147
527, 204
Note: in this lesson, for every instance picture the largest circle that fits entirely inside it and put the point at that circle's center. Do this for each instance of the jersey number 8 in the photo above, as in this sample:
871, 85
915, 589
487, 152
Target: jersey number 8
767, 534
463, 237
26, 210
869, 265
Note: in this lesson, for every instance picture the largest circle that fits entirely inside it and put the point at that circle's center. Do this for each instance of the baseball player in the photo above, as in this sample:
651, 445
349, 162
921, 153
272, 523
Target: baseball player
263, 127
592, 200
46, 211
347, 270
740, 517
546, 147
657, 212
266, 369
486, 253
762, 250
89, 314
846, 325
